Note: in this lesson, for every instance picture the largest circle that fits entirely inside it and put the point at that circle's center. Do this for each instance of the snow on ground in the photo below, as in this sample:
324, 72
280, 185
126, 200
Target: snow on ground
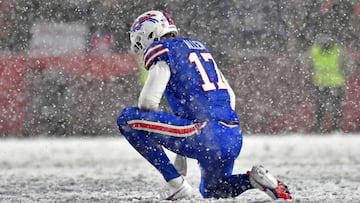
106, 169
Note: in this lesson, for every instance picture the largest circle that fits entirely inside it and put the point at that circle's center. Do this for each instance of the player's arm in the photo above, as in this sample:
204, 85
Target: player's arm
154, 87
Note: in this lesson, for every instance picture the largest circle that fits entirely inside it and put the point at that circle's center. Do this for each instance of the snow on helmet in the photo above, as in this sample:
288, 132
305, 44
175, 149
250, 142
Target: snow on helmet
149, 27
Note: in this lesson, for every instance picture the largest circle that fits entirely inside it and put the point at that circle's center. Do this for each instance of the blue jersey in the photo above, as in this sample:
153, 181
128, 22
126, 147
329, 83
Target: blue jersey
196, 89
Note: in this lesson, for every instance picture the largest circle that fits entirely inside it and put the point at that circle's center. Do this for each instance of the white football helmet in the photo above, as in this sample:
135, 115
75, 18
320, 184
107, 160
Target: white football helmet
149, 27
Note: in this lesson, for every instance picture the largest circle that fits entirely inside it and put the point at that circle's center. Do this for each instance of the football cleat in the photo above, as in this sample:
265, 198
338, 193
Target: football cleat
178, 188
260, 178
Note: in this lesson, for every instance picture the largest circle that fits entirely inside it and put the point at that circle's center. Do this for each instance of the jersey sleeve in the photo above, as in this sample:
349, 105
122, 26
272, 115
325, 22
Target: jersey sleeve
154, 87
156, 52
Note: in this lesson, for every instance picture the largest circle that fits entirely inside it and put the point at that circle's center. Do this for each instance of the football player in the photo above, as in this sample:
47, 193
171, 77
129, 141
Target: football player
203, 124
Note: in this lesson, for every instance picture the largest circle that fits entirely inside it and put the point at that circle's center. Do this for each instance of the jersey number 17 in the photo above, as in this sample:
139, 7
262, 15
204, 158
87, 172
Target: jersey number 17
207, 84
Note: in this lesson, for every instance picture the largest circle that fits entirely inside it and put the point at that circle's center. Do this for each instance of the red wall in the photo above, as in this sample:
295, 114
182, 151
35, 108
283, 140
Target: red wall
12, 94
13, 109
13, 70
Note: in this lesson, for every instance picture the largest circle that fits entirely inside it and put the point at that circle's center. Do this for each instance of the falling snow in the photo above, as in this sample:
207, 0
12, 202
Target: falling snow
107, 169
66, 72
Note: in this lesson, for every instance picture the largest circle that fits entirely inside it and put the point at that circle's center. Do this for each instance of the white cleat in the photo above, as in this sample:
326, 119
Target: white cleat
260, 178
178, 188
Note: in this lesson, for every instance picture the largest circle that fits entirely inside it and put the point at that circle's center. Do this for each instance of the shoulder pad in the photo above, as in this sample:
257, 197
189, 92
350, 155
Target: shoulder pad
154, 53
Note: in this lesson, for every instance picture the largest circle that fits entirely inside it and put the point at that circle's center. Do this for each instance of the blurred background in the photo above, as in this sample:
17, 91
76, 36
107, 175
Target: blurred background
66, 69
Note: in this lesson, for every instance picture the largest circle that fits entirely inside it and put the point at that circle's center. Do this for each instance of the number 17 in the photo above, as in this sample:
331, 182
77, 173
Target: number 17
207, 84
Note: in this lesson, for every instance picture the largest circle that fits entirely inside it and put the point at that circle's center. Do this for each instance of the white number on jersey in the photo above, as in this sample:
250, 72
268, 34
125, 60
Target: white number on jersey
207, 84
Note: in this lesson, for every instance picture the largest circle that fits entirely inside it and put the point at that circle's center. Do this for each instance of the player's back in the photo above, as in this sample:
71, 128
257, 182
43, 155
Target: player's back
196, 89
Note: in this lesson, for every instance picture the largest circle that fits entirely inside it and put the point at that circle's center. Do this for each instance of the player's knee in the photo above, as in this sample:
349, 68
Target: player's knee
127, 114
124, 116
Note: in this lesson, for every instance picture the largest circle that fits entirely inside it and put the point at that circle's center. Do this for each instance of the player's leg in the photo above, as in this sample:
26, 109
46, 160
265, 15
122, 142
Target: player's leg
231, 186
223, 144
217, 181
147, 132
163, 128
142, 129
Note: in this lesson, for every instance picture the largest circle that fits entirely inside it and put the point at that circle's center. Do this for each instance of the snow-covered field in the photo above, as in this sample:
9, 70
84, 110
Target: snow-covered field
106, 169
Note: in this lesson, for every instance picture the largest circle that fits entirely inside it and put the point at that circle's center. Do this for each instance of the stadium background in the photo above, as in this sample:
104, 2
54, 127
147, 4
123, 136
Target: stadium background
65, 68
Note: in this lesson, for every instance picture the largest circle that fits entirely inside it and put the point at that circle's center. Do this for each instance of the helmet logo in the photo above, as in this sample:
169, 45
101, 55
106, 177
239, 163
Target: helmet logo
138, 24
171, 22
